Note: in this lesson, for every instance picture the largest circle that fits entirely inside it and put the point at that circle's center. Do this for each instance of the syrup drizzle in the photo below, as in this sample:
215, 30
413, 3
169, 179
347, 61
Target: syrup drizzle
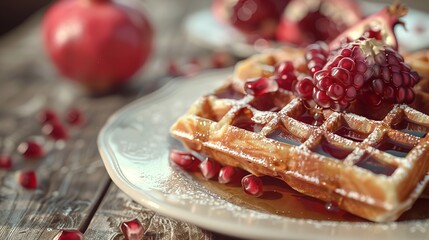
394, 148
310, 119
268, 102
282, 135
229, 93
411, 128
329, 150
243, 120
280, 199
351, 134
369, 162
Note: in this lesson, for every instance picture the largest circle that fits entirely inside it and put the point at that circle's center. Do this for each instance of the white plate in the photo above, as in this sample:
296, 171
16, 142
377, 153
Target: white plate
203, 29
134, 145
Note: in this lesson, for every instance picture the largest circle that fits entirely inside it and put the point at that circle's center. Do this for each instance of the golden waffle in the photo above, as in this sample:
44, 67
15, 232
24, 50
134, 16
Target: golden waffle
374, 169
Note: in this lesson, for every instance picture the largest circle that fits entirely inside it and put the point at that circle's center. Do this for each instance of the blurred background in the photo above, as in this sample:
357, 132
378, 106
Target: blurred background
14, 12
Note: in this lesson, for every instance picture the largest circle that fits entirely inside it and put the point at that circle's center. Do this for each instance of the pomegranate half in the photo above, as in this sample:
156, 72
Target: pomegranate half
307, 21
379, 25
255, 18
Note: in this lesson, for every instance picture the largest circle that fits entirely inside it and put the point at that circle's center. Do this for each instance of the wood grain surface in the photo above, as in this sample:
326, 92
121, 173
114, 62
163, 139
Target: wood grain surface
74, 189
72, 178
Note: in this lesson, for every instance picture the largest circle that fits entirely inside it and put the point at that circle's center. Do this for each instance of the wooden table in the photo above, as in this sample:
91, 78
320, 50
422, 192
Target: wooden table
74, 190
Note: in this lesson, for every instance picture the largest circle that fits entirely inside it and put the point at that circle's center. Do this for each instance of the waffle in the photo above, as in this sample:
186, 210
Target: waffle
373, 168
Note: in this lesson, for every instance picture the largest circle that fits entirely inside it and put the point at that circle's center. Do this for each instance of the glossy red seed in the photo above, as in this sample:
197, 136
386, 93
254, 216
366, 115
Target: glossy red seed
397, 79
361, 67
55, 130
325, 83
5, 162
321, 74
358, 81
406, 79
304, 88
346, 52
322, 99
409, 96
27, 179
401, 94
392, 59
378, 86
332, 207
351, 93
385, 73
184, 160
335, 91
373, 100
315, 57
347, 63
389, 94
260, 86
229, 174
209, 168
342, 75
48, 115
286, 81
69, 234
132, 229
252, 185
380, 59
31, 150
75, 117
283, 68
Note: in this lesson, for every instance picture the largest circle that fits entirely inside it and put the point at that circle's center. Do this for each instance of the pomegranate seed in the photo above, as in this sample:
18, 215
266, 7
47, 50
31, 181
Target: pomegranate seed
27, 179
335, 91
332, 207
31, 150
285, 78
252, 185
350, 93
75, 117
255, 18
132, 229
347, 63
358, 81
304, 88
209, 168
377, 86
221, 59
284, 68
5, 162
55, 130
260, 86
401, 95
346, 52
409, 96
341, 74
173, 69
184, 160
322, 99
69, 234
48, 115
230, 174
315, 56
